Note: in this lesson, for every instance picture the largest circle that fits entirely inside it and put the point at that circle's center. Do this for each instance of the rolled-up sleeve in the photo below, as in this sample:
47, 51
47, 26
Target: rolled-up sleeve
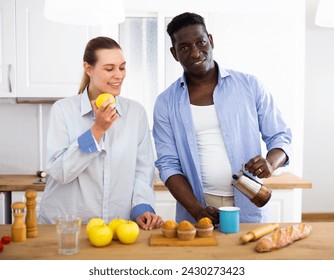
87, 143
274, 130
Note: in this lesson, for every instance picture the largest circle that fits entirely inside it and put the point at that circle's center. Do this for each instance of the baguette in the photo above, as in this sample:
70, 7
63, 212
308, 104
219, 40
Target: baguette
283, 237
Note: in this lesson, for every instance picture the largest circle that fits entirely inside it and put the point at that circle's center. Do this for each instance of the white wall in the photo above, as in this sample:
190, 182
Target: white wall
267, 40
319, 115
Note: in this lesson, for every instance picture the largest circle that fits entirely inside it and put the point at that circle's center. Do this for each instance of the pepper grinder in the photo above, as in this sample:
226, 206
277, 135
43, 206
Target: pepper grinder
19, 231
31, 217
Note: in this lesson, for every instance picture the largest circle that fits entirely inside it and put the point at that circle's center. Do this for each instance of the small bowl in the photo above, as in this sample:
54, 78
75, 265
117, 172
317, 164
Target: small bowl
186, 234
169, 233
204, 232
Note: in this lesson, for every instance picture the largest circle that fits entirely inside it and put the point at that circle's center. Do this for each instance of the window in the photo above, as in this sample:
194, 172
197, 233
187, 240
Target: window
150, 65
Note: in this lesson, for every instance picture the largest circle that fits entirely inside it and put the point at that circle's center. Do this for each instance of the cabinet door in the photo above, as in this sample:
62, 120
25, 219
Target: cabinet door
285, 206
165, 205
49, 54
7, 49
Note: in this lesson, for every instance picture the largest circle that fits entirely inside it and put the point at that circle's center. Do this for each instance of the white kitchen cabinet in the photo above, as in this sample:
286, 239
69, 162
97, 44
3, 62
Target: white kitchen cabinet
286, 206
7, 49
48, 54
5, 208
165, 205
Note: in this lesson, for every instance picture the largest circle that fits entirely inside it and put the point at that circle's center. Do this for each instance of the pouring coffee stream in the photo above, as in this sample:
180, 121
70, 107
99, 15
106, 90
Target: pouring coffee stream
253, 190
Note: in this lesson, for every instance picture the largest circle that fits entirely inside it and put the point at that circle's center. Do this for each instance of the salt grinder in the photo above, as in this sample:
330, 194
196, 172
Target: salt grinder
255, 191
18, 227
31, 217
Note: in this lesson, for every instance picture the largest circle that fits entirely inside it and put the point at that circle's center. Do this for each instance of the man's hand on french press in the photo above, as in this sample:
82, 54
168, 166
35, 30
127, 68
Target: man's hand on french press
260, 167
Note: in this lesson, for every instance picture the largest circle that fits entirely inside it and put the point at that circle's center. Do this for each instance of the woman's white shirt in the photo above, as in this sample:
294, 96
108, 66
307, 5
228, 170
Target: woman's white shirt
107, 181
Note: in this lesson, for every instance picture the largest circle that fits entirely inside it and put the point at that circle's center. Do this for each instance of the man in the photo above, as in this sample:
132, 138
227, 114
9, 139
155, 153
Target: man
207, 125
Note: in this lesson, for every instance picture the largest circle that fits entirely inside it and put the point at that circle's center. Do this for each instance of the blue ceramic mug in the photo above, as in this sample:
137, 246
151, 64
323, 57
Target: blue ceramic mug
229, 219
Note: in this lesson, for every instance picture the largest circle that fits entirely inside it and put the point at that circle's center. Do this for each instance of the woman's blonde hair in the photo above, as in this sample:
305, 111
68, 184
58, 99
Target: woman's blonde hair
90, 57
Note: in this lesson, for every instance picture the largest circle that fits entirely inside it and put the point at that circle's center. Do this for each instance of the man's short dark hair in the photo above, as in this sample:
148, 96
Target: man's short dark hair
183, 20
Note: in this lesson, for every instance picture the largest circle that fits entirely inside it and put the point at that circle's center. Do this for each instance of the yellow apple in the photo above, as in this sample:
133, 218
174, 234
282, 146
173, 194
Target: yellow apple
127, 232
103, 97
94, 222
100, 235
113, 224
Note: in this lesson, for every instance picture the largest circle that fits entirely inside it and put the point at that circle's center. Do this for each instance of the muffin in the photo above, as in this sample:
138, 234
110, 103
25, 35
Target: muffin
169, 229
186, 231
204, 227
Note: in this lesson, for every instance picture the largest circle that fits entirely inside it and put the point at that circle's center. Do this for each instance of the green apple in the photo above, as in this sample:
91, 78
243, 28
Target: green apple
127, 232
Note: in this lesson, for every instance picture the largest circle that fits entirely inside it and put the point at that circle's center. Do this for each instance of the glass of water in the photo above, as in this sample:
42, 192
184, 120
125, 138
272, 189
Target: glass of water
68, 229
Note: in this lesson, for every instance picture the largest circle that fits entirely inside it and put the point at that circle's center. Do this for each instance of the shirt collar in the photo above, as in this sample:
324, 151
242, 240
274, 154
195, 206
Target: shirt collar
222, 73
118, 106
86, 107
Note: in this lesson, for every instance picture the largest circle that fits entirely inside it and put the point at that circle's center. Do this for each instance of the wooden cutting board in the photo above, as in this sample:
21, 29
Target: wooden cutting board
160, 240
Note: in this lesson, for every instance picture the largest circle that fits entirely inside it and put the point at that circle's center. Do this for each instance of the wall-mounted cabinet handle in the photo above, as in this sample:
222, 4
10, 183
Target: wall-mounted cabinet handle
9, 81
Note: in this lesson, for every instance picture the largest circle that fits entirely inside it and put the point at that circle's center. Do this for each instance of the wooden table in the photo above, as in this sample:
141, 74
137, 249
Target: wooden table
318, 246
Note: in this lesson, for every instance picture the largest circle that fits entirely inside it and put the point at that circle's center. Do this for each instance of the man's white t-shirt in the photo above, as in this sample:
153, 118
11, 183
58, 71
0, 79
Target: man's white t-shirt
215, 166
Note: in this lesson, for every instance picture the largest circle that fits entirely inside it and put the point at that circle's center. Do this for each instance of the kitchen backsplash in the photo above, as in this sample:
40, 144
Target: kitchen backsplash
23, 129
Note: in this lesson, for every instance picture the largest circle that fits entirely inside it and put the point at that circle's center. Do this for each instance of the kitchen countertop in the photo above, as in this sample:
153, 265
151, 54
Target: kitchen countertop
318, 245
18, 182
13, 182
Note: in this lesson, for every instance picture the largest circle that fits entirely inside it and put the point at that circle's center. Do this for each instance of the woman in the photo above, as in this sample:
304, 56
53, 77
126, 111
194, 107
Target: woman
100, 160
